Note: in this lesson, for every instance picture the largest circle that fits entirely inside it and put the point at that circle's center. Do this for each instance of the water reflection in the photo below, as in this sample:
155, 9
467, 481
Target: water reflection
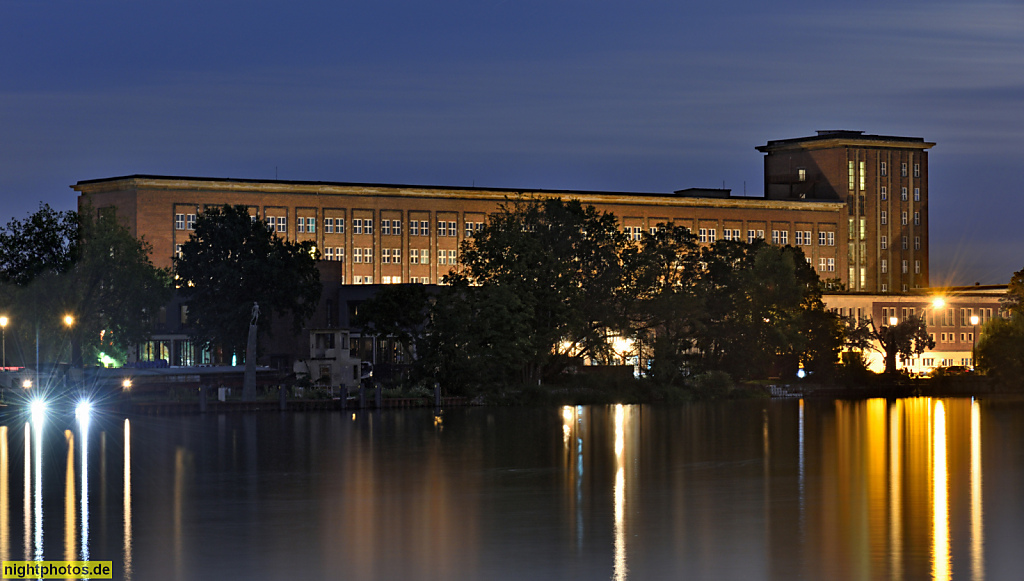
871, 489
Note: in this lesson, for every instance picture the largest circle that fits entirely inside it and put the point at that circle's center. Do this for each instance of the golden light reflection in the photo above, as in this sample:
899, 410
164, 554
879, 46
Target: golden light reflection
127, 500
896, 489
70, 519
5, 507
977, 532
940, 499
179, 501
620, 495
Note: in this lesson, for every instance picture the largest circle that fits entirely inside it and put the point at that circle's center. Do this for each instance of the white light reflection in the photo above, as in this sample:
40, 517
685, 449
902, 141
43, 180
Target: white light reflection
940, 499
38, 416
620, 496
83, 430
127, 500
69, 499
977, 531
26, 492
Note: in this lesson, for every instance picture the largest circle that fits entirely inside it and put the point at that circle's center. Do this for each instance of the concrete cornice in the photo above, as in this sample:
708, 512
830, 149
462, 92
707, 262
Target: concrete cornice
841, 142
135, 183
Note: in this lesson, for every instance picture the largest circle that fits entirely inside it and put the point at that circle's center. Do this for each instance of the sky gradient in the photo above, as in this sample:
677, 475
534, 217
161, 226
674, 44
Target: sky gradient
595, 95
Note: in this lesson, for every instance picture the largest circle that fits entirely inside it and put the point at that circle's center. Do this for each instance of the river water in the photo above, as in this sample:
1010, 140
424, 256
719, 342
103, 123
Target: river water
784, 489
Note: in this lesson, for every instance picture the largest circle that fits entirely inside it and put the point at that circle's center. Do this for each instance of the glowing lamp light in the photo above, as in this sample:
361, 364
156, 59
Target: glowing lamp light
4, 321
27, 384
38, 409
938, 303
82, 410
974, 319
893, 321
126, 384
69, 320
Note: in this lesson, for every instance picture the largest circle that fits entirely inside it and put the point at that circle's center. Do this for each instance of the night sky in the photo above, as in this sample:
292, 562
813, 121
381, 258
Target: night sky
589, 95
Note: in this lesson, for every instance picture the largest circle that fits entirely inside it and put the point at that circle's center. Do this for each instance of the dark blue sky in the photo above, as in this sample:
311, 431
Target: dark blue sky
600, 95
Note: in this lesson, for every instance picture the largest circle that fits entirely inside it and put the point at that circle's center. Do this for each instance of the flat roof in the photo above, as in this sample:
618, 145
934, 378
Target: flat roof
843, 137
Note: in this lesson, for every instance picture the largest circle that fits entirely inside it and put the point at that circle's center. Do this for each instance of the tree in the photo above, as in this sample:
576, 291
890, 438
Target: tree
45, 242
1000, 350
562, 263
86, 266
232, 261
908, 338
662, 299
763, 304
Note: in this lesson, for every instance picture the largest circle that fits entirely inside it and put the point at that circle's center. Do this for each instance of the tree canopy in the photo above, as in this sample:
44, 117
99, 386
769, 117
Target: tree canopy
87, 266
548, 282
232, 261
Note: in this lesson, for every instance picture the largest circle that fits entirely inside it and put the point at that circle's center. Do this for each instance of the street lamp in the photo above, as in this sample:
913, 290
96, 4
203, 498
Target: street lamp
974, 340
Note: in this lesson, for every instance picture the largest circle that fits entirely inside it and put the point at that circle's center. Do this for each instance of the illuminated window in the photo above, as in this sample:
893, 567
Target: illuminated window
863, 176
851, 176
282, 225
801, 174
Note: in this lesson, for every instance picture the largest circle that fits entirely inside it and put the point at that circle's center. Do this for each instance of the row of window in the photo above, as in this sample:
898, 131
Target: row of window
884, 242
779, 237
883, 169
903, 218
390, 255
884, 266
884, 193
307, 225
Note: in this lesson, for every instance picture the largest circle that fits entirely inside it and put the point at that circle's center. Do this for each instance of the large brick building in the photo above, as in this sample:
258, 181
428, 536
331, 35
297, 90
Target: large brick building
397, 233
855, 204
883, 181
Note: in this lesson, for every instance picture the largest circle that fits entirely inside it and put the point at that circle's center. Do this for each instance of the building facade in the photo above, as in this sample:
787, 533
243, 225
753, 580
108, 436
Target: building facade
383, 233
954, 316
883, 181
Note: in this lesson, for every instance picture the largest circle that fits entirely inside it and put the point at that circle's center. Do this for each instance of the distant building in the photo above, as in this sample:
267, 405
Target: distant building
883, 182
857, 205
949, 312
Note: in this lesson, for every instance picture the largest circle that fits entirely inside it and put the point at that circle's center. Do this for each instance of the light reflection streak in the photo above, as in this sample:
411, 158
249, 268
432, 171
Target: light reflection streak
620, 496
26, 492
127, 500
37, 425
69, 499
179, 497
5, 507
84, 433
940, 498
896, 490
977, 532
801, 467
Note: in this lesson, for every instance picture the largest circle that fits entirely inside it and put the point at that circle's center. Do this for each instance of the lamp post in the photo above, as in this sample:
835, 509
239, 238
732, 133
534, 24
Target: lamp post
893, 321
974, 341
